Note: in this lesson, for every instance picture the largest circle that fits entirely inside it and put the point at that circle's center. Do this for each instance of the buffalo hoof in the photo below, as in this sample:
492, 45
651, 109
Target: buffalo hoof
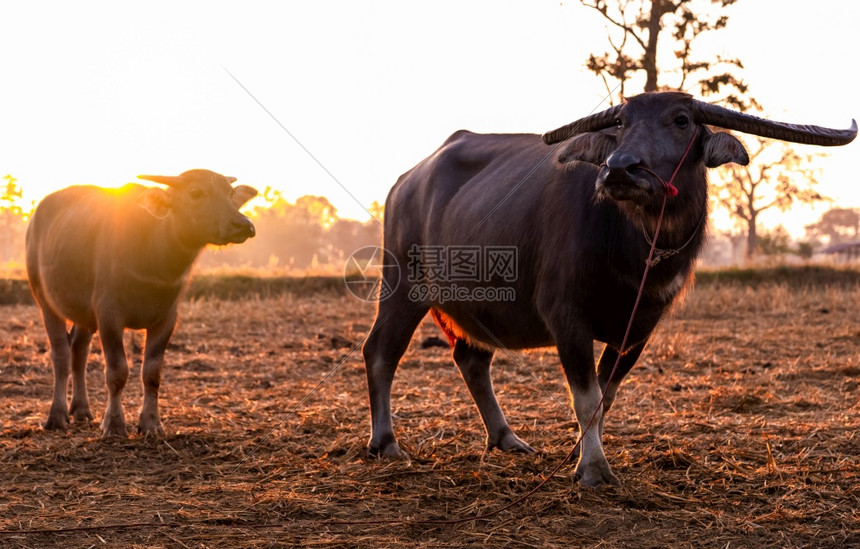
150, 427
509, 442
81, 413
114, 427
390, 450
598, 474
57, 421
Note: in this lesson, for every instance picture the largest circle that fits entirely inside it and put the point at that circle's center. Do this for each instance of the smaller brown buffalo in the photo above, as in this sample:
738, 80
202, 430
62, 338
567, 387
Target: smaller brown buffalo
111, 259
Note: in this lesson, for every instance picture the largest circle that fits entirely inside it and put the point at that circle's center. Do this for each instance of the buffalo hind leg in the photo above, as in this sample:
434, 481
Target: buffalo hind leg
396, 320
61, 358
80, 340
474, 365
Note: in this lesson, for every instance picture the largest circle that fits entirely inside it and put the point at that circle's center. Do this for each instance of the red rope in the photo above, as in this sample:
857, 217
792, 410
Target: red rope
668, 187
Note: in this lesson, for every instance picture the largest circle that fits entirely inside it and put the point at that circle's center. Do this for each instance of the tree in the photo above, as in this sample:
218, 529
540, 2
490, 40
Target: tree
12, 194
13, 220
836, 226
377, 212
317, 209
776, 177
635, 29
775, 242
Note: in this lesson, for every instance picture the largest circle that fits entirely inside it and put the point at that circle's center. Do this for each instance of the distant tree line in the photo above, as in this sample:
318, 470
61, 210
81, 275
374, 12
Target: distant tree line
308, 237
302, 237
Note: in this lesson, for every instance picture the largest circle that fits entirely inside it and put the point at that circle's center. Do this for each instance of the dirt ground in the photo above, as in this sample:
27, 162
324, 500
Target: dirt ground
738, 428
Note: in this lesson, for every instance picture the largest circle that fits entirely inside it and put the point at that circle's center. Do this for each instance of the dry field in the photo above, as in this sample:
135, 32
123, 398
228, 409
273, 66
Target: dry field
740, 427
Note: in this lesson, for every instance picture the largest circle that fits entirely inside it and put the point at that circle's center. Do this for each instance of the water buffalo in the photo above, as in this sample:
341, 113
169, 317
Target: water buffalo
579, 228
110, 259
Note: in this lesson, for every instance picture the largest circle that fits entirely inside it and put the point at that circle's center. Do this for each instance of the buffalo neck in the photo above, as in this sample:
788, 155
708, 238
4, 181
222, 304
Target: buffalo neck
164, 256
684, 219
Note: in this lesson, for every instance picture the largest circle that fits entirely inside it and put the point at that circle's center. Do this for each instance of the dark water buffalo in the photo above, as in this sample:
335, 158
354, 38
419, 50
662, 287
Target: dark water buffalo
577, 227
110, 259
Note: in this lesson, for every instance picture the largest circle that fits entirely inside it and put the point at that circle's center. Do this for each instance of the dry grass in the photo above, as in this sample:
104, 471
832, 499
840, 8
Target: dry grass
739, 428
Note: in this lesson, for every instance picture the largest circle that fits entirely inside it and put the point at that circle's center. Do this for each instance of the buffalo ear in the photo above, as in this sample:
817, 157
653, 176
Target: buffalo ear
242, 194
156, 201
592, 147
721, 148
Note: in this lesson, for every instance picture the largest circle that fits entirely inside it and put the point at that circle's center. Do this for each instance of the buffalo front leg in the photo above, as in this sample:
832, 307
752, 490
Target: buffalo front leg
80, 340
474, 365
396, 320
55, 327
150, 375
116, 376
592, 469
607, 361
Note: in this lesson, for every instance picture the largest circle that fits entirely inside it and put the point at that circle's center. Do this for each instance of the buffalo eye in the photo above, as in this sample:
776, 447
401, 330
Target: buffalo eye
682, 121
195, 194
619, 123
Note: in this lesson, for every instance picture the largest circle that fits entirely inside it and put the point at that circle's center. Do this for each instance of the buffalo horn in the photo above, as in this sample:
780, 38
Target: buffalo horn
591, 123
714, 115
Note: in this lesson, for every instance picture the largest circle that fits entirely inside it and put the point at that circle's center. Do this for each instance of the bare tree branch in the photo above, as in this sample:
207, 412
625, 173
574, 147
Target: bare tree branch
601, 7
768, 182
641, 22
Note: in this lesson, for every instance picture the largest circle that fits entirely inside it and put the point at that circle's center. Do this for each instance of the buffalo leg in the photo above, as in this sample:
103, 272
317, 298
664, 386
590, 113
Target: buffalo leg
116, 376
474, 365
150, 375
604, 369
396, 320
80, 339
578, 362
55, 327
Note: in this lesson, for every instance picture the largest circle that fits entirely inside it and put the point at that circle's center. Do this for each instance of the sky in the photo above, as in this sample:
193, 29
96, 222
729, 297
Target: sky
338, 98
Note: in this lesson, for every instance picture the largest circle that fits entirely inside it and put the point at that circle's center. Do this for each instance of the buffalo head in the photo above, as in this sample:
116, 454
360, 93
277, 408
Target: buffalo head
642, 142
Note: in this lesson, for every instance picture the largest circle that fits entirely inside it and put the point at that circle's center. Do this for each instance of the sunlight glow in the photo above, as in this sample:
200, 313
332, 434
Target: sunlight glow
368, 93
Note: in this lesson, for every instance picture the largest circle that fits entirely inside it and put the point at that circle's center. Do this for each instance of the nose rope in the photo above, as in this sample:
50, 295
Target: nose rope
668, 186
656, 255
661, 254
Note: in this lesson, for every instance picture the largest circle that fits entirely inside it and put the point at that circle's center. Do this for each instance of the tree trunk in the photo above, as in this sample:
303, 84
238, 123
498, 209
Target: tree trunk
752, 238
649, 60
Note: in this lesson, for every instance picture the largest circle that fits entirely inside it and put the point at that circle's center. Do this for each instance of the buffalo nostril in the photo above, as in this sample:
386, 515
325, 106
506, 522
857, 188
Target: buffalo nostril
243, 226
623, 161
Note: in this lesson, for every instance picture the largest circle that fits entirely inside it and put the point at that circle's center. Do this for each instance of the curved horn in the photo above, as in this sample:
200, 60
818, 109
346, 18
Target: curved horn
714, 115
591, 123
170, 180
